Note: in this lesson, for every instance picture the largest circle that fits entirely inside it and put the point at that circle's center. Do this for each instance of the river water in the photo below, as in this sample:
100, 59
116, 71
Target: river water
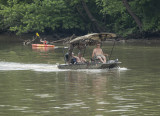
32, 85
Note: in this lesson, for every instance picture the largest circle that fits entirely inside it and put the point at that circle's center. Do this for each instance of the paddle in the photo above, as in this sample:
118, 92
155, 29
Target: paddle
37, 35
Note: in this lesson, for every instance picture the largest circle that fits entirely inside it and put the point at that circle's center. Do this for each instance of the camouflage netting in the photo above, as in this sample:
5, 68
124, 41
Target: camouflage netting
90, 39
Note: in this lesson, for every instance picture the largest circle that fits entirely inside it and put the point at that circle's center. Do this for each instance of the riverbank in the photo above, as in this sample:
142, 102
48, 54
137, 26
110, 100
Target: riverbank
137, 41
12, 38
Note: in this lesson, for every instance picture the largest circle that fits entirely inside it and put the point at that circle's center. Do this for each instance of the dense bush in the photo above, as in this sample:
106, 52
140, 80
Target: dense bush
83, 15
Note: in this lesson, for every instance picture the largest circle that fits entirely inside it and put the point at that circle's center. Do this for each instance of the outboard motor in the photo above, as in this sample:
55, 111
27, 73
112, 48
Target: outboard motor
116, 60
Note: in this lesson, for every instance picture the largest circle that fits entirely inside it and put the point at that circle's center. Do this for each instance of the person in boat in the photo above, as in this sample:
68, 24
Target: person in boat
44, 41
80, 59
98, 54
74, 59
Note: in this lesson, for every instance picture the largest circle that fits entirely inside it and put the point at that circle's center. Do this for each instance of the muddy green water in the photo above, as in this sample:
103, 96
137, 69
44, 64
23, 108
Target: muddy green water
32, 85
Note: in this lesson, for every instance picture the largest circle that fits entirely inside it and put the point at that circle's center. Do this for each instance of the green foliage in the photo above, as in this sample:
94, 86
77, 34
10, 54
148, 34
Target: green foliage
121, 22
39, 15
150, 13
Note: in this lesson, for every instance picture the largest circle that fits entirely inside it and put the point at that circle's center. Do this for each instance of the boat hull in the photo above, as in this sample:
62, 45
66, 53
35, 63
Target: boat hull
42, 45
107, 65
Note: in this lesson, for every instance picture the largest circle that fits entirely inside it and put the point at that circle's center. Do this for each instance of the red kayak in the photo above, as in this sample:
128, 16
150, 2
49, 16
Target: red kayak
42, 45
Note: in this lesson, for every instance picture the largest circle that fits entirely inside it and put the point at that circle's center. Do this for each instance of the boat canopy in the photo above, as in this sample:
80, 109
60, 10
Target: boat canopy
88, 40
91, 39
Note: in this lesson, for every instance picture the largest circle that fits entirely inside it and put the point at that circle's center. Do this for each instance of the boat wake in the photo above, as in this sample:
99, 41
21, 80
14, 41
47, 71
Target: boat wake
9, 66
123, 69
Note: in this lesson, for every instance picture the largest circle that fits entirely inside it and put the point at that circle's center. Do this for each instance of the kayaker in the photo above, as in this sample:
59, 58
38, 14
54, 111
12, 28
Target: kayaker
98, 54
44, 42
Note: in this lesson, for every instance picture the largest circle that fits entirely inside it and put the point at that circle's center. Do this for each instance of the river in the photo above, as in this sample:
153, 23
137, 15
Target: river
32, 85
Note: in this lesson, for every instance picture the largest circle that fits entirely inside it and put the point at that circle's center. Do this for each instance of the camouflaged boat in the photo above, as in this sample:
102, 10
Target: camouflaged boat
91, 65
81, 43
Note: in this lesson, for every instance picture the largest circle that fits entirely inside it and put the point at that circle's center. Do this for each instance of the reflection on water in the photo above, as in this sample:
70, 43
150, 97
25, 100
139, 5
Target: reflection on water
42, 49
32, 85
43, 94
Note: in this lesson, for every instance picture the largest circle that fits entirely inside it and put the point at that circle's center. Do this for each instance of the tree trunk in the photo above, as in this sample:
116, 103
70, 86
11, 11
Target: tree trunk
137, 20
79, 11
94, 21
